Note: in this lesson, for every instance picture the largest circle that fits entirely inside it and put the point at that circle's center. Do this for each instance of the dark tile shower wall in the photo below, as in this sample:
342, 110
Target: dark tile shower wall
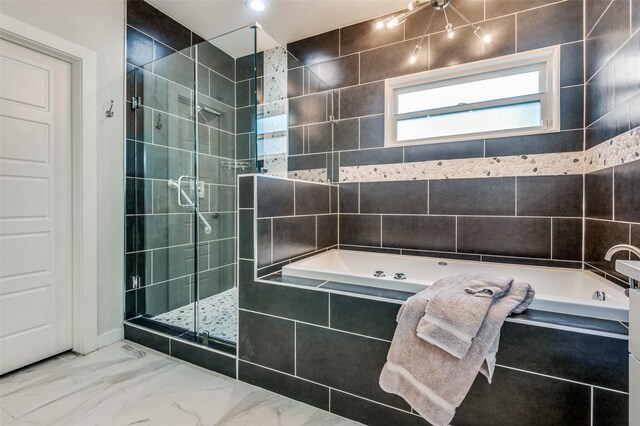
470, 218
160, 146
612, 203
293, 219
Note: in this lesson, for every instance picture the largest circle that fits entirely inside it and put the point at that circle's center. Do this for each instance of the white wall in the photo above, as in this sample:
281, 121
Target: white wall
97, 25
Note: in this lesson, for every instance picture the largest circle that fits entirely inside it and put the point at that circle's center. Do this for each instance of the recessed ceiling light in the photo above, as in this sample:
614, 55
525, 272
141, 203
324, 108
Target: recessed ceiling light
257, 5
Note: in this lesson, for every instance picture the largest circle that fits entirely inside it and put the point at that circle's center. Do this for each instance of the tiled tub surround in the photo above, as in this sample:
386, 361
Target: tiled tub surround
291, 219
612, 200
160, 146
324, 343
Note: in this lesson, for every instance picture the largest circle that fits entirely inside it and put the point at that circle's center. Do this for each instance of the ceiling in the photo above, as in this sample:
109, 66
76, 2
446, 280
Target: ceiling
283, 20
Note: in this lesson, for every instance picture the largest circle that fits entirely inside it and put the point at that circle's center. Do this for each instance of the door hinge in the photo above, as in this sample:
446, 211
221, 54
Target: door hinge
135, 281
136, 101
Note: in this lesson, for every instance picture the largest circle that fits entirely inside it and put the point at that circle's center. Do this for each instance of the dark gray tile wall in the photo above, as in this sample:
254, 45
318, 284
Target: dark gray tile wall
294, 218
160, 144
612, 100
612, 95
497, 218
354, 94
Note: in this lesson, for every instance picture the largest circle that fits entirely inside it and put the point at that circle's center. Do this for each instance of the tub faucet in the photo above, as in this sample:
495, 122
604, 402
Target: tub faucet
633, 283
621, 247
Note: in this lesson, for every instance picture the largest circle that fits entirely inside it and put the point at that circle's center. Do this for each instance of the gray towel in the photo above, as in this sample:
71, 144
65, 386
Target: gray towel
456, 311
432, 381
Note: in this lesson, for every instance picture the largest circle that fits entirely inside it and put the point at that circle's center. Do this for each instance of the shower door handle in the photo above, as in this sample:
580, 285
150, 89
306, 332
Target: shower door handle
189, 203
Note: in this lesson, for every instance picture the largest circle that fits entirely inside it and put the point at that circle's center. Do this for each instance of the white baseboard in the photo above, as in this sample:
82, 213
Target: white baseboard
110, 337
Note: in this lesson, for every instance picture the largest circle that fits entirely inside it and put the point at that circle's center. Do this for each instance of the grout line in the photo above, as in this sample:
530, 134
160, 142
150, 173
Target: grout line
591, 407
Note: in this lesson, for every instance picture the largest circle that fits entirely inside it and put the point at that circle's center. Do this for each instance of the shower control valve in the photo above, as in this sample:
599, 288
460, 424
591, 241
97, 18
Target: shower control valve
400, 276
379, 274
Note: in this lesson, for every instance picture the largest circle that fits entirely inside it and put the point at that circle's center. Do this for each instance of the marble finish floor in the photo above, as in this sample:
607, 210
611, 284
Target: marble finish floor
124, 384
217, 315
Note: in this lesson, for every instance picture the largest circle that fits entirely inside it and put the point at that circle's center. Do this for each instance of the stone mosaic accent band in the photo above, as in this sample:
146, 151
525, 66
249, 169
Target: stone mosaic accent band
621, 149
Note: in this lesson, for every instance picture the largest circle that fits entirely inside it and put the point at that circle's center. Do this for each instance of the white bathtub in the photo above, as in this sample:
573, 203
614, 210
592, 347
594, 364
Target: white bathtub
559, 290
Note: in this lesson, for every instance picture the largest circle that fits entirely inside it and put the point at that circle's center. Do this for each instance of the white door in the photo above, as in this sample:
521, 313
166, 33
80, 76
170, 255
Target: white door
35, 206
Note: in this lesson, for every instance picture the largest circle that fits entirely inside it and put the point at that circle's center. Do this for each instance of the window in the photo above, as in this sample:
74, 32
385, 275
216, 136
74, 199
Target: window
513, 95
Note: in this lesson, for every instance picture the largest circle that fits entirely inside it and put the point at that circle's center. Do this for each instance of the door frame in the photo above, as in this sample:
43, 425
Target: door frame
84, 132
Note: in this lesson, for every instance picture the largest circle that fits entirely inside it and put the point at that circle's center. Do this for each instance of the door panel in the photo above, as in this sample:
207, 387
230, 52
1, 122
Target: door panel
35, 206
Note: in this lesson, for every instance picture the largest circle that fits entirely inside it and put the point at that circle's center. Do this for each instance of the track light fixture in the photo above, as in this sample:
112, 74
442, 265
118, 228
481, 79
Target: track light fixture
438, 6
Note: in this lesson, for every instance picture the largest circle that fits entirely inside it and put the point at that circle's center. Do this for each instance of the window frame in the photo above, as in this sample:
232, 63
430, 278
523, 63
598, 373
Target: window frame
547, 59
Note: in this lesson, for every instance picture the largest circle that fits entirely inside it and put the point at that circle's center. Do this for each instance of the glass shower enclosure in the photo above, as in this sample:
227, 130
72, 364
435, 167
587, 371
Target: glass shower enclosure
196, 119
190, 131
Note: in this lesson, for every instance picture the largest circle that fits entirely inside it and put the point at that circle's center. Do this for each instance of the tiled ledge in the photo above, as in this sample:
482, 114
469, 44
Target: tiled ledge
578, 324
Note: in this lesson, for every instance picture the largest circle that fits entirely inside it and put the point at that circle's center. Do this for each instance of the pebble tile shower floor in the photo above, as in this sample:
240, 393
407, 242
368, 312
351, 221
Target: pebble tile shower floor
218, 315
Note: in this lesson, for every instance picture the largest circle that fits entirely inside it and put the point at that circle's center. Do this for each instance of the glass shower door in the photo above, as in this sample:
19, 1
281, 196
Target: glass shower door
225, 116
162, 193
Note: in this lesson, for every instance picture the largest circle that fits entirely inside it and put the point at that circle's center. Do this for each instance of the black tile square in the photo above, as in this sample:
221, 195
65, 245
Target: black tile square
311, 198
267, 341
572, 64
334, 73
559, 195
364, 35
484, 196
204, 358
369, 413
308, 109
599, 237
367, 157
310, 306
161, 27
419, 232
349, 198
343, 361
593, 12
307, 162
568, 141
565, 354
327, 230
572, 107
508, 236
626, 199
567, 239
401, 197
264, 242
607, 36
444, 151
598, 194
275, 197
391, 61
318, 137
245, 233
496, 8
523, 398
291, 387
214, 58
146, 338
363, 316
555, 24
610, 408
245, 192
627, 81
365, 99
467, 47
600, 94
372, 132
316, 48
345, 134
293, 236
359, 230
139, 48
